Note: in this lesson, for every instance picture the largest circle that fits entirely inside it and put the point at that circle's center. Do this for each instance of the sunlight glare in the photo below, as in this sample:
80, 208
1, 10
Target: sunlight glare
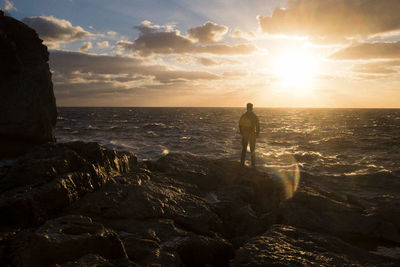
296, 69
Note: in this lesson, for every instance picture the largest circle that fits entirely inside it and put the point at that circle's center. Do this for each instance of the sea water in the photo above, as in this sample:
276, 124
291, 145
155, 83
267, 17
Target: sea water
329, 142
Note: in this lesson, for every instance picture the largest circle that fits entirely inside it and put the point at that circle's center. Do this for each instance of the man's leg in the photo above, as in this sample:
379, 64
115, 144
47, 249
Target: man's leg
244, 150
253, 150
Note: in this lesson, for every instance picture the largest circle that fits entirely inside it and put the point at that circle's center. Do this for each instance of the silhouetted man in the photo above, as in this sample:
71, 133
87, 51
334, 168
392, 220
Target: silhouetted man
249, 129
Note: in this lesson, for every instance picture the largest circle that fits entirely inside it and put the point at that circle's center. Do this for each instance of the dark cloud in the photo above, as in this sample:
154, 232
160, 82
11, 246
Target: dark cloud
68, 66
163, 40
86, 46
334, 18
159, 43
207, 33
206, 61
88, 79
369, 51
223, 49
380, 67
371, 76
53, 30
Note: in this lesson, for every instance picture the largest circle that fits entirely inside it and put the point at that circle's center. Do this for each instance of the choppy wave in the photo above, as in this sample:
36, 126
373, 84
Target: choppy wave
324, 142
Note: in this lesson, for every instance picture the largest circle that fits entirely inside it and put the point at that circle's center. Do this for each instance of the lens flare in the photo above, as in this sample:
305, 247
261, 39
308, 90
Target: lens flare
287, 172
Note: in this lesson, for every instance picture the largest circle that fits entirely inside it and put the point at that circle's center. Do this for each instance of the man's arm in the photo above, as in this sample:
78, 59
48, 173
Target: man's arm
257, 127
240, 126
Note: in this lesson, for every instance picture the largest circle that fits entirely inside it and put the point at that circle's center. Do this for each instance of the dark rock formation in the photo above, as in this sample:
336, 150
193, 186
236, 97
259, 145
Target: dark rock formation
64, 239
27, 103
43, 182
181, 210
98, 261
283, 245
348, 217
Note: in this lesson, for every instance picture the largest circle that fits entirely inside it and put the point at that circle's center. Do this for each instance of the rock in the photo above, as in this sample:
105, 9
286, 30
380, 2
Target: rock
158, 220
165, 242
179, 211
39, 185
98, 261
151, 241
133, 197
27, 103
284, 245
197, 250
246, 200
315, 209
65, 239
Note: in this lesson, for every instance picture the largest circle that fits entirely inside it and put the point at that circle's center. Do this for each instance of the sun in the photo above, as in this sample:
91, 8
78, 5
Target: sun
296, 69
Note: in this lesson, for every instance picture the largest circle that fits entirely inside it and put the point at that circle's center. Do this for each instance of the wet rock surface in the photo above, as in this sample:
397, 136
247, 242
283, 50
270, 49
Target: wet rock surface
41, 183
63, 239
90, 206
338, 213
27, 103
288, 246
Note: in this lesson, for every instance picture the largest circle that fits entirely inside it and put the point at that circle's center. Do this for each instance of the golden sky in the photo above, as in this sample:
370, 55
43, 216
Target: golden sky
278, 53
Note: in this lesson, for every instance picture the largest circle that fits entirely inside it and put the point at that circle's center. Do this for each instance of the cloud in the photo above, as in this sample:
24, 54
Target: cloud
86, 46
103, 44
88, 79
214, 62
243, 35
381, 67
333, 18
369, 51
164, 40
207, 33
112, 33
69, 66
371, 76
234, 74
9, 6
53, 30
206, 61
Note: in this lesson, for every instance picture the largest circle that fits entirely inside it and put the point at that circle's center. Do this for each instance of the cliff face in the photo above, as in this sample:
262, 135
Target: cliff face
28, 110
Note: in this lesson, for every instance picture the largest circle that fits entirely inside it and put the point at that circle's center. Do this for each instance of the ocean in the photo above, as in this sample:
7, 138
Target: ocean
322, 142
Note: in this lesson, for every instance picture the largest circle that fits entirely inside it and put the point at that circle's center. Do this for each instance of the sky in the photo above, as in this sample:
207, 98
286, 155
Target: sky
225, 53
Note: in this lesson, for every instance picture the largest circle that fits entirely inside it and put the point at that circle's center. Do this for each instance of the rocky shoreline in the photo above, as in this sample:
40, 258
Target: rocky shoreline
80, 204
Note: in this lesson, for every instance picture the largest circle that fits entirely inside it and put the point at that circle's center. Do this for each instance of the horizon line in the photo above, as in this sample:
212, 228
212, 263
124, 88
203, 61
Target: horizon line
255, 107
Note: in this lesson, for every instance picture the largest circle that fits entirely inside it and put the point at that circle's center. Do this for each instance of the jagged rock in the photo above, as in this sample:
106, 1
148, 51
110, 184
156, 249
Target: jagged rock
135, 197
246, 200
158, 220
284, 245
318, 210
151, 241
65, 239
165, 242
46, 180
179, 211
27, 103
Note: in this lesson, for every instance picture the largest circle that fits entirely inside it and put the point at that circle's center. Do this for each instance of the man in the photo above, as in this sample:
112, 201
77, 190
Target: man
249, 127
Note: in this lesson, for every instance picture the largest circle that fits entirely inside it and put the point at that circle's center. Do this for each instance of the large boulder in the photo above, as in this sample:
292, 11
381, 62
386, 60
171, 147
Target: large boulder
27, 103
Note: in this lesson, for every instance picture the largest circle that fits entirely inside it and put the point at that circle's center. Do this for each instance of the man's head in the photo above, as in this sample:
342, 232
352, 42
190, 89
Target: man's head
249, 106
